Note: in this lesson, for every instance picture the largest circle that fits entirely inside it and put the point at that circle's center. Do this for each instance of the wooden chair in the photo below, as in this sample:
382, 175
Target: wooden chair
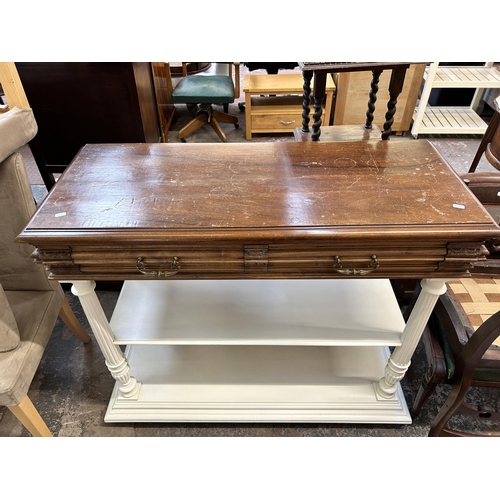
486, 187
29, 302
455, 353
461, 357
204, 91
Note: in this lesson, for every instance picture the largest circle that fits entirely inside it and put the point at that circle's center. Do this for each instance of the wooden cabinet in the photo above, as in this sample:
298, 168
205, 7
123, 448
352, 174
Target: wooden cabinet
352, 98
87, 103
274, 102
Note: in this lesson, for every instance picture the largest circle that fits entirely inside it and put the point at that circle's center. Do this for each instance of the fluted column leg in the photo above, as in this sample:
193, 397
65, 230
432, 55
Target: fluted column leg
400, 359
115, 359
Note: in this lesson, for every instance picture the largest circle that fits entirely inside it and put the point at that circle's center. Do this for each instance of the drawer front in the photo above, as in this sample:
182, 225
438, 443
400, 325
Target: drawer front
338, 262
276, 122
259, 261
267, 122
153, 264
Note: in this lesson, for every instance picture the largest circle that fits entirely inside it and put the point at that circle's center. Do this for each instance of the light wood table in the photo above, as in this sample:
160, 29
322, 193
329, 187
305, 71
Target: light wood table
274, 102
257, 274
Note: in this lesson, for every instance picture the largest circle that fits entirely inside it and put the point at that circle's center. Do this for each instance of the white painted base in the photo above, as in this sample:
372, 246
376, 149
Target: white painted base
257, 384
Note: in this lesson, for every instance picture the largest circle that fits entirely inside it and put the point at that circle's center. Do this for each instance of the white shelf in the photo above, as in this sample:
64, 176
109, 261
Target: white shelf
453, 120
465, 77
257, 384
446, 120
258, 312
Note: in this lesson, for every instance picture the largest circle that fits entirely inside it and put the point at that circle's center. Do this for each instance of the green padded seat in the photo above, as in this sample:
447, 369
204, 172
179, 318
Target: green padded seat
196, 89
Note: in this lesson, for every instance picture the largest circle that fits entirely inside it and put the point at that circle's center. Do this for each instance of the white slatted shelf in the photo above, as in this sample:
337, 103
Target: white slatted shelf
457, 119
465, 77
447, 120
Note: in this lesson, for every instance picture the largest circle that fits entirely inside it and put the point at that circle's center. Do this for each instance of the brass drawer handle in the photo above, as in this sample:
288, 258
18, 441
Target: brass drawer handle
287, 123
337, 264
175, 265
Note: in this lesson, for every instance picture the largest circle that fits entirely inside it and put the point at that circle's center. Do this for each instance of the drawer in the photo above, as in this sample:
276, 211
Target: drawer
277, 114
149, 263
252, 261
276, 122
341, 261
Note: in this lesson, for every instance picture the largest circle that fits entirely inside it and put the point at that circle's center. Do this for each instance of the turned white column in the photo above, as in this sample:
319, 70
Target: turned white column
400, 358
115, 359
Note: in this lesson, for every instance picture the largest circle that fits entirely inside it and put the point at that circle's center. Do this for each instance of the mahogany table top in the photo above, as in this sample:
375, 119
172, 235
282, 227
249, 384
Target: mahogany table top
121, 190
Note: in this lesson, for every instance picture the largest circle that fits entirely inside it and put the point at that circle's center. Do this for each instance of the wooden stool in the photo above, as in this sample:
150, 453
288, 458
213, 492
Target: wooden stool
320, 71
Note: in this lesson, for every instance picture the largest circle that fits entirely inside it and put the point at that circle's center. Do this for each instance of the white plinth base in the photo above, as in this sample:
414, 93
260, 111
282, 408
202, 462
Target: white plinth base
257, 384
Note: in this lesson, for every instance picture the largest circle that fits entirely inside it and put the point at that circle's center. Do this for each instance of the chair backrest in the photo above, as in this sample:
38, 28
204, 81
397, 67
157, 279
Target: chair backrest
18, 271
17, 128
490, 143
492, 152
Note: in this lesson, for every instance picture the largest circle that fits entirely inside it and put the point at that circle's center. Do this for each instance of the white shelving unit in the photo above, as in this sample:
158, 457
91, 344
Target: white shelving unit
453, 120
258, 351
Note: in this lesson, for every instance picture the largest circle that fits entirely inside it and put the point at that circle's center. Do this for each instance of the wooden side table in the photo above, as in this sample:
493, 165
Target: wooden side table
257, 274
274, 102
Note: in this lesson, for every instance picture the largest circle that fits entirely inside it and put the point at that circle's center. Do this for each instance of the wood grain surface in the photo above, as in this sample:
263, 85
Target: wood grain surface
265, 209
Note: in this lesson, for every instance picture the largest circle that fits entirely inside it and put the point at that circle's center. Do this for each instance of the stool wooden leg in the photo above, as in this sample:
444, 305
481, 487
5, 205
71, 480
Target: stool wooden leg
395, 88
306, 101
372, 98
28, 415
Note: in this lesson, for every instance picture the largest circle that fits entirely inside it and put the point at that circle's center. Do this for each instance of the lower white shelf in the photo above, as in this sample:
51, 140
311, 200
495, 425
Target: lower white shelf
446, 120
257, 384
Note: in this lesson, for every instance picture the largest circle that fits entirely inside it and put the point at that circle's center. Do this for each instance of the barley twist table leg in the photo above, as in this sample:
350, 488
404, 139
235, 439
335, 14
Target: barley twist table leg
306, 100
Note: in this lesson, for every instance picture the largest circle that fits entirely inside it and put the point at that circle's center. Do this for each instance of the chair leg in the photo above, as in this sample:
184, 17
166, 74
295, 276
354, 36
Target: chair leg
427, 387
193, 125
70, 320
215, 125
27, 414
458, 391
223, 117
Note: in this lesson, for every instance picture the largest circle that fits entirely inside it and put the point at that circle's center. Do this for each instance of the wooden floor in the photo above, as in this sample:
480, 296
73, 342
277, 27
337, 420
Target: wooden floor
480, 298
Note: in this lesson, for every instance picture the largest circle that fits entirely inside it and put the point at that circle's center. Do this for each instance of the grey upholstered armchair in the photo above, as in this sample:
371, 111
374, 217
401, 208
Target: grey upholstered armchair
29, 302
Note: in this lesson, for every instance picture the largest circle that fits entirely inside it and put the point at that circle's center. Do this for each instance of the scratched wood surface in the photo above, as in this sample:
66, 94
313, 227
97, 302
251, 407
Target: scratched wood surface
268, 185
270, 210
